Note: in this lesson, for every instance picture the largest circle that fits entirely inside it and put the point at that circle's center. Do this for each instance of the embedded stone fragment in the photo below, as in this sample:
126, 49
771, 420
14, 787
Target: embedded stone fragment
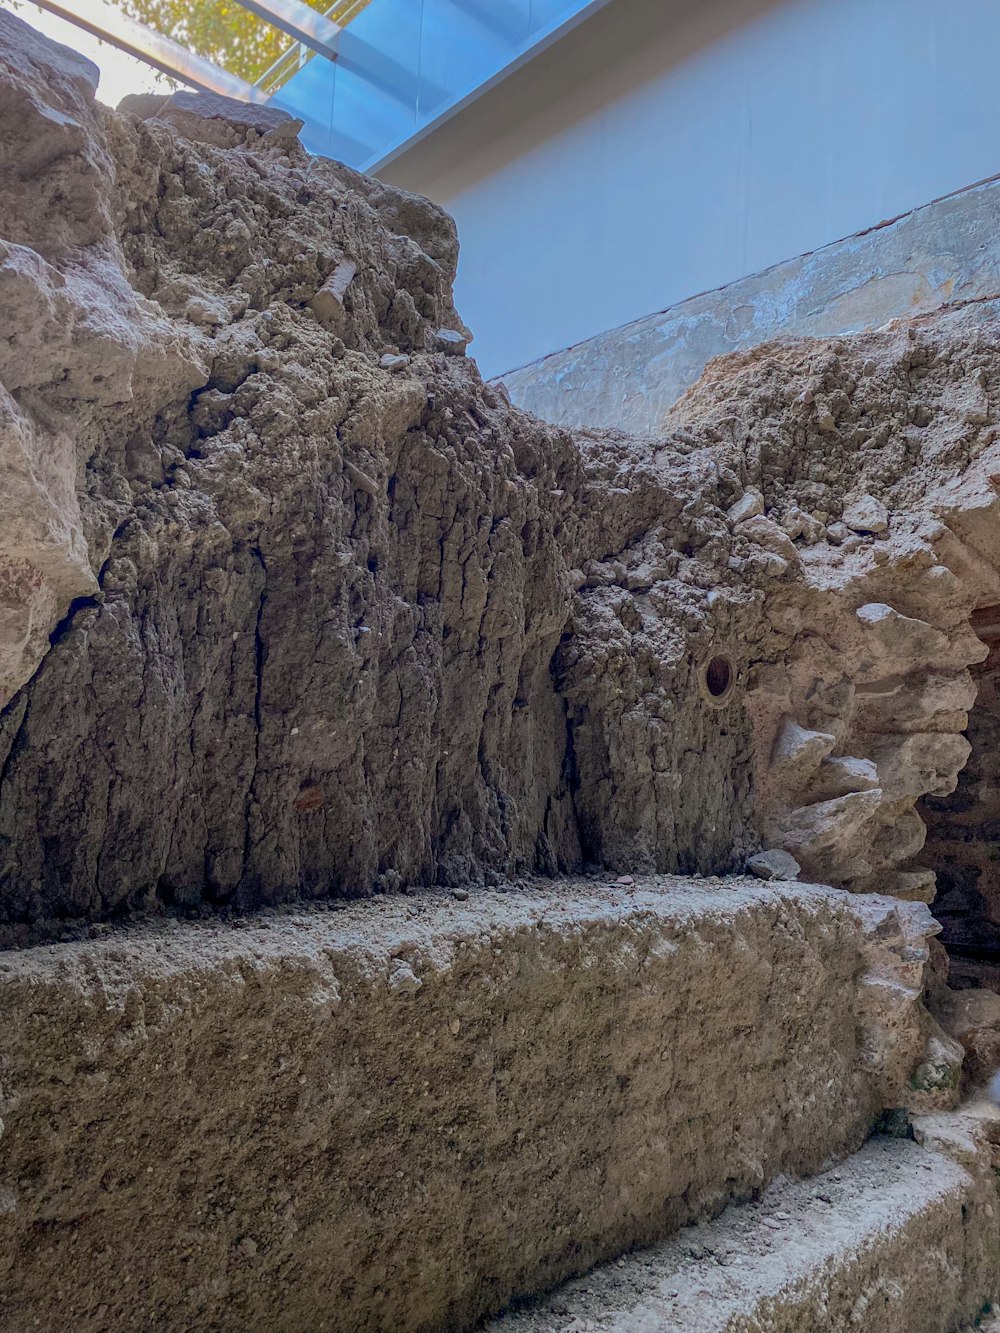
939, 1073
922, 1066
897, 836
962, 1137
328, 303
903, 641
402, 978
773, 864
919, 763
765, 532
972, 1017
749, 505
915, 886
798, 523
825, 838
451, 341
935, 701
840, 774
866, 514
797, 751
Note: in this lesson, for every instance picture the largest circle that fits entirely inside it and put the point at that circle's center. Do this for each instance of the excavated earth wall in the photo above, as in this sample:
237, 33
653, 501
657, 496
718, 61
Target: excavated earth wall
402, 1115
294, 607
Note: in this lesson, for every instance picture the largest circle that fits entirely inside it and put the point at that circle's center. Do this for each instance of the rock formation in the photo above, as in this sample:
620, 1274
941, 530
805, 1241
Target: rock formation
294, 606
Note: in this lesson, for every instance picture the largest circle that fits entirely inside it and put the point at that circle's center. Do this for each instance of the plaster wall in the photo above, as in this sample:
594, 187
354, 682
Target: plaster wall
629, 378
665, 148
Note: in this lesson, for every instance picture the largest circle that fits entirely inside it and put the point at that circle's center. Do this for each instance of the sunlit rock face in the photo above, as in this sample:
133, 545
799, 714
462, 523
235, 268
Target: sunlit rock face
292, 604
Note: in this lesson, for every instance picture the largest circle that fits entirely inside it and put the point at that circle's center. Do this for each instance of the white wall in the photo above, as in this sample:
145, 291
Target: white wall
669, 146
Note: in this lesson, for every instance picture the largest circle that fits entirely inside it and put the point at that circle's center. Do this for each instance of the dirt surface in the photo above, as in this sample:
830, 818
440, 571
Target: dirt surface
897, 1239
402, 1114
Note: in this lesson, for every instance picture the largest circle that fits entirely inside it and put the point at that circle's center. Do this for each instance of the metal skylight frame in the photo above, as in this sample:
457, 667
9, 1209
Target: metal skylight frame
296, 55
304, 25
151, 47
309, 29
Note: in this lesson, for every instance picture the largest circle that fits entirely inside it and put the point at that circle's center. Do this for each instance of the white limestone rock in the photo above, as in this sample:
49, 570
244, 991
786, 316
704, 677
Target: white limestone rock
866, 514
901, 642
841, 774
920, 763
797, 751
826, 838
935, 702
749, 505
915, 886
328, 302
774, 864
451, 341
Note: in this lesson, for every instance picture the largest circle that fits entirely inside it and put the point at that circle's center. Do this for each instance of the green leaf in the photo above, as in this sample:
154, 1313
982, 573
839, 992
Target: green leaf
225, 33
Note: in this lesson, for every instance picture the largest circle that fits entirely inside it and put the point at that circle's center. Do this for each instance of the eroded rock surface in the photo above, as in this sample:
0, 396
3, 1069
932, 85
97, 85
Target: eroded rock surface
292, 605
295, 605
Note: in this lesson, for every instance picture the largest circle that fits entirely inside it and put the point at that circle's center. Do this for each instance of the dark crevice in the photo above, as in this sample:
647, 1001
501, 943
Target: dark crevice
64, 626
22, 702
59, 632
963, 832
260, 655
571, 779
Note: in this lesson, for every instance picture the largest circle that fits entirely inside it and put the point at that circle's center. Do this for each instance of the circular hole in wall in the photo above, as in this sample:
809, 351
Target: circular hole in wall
718, 678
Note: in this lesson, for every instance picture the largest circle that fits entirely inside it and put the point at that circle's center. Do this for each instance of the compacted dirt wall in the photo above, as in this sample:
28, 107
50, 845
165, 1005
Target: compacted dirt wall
284, 582
401, 1115
293, 605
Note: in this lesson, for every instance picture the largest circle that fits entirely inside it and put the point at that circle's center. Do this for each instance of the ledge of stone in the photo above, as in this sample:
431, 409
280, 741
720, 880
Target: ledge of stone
405, 1113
